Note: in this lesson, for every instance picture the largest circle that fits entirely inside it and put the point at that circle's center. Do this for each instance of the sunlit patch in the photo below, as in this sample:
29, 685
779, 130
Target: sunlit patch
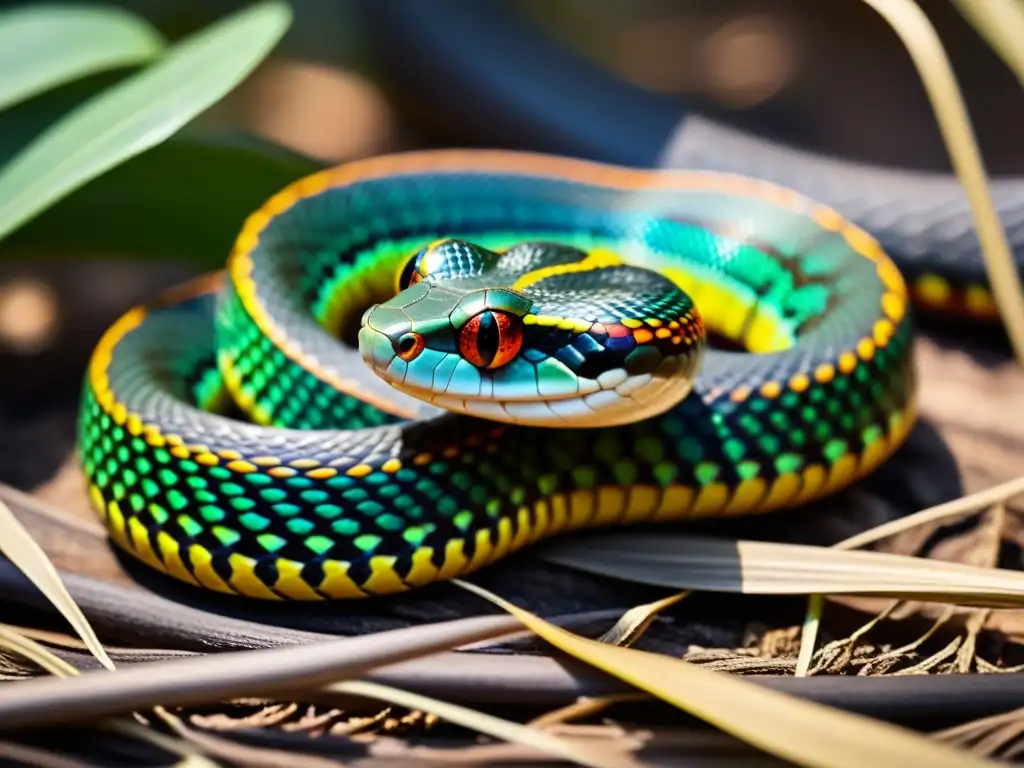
932, 290
935, 294
979, 301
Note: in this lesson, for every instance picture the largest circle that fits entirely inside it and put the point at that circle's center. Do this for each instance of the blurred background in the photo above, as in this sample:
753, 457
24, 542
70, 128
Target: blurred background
825, 76
828, 76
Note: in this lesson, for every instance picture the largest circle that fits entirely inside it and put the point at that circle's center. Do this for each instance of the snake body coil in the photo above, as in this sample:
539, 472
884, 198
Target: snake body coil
535, 292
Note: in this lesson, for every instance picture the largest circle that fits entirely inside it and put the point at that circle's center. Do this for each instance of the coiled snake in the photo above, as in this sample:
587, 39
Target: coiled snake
533, 362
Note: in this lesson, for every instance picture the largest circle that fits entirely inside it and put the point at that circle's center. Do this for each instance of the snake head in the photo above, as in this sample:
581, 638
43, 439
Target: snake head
473, 331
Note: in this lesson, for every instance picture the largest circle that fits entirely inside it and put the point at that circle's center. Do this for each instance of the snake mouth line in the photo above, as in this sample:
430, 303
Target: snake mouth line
622, 388
638, 397
428, 394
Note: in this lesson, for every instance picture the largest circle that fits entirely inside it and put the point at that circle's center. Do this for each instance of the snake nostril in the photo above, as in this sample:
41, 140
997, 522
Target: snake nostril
408, 346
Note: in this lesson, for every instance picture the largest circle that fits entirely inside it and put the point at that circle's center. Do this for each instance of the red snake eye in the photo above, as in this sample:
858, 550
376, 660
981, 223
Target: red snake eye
491, 339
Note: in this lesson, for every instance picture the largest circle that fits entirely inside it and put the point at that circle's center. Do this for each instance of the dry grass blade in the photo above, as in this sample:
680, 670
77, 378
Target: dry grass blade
583, 707
809, 635
21, 549
33, 651
569, 620
241, 754
505, 730
970, 734
21, 754
634, 622
696, 563
925, 49
794, 729
55, 665
191, 754
205, 679
999, 494
34, 563
1001, 23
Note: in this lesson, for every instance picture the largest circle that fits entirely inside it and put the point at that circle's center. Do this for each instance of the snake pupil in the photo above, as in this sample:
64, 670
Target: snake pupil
487, 338
491, 339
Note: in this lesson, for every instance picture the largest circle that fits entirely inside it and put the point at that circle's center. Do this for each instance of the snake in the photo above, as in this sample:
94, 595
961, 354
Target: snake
417, 364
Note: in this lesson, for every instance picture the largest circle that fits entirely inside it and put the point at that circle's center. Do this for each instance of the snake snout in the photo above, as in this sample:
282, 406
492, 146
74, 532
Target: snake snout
375, 348
366, 315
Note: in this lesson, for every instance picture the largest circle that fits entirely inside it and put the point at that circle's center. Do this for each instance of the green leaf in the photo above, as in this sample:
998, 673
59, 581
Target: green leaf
45, 46
185, 200
138, 113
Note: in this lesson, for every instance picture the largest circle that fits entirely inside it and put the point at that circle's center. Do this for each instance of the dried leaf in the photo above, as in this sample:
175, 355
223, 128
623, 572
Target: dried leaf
53, 664
634, 622
708, 564
794, 729
998, 495
1001, 24
204, 679
482, 722
922, 42
21, 549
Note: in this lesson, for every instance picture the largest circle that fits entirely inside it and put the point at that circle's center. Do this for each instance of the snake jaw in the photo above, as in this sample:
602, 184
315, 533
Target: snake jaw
597, 403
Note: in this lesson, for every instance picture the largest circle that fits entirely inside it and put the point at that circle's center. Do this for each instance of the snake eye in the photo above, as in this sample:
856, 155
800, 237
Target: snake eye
410, 272
409, 346
491, 339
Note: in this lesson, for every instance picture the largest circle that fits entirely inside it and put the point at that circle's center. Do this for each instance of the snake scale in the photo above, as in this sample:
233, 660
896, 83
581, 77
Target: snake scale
417, 364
